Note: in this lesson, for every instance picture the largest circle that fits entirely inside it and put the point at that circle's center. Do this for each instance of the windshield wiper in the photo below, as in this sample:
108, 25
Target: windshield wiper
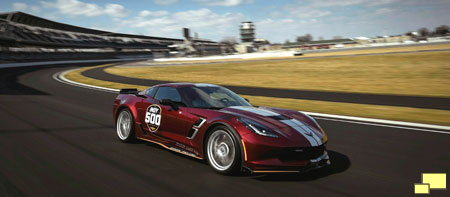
215, 108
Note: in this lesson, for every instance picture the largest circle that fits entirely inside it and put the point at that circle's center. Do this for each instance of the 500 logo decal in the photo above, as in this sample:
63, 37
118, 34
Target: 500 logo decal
153, 117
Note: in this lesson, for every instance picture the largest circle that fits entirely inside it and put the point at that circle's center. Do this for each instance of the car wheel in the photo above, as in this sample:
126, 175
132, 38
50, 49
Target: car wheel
222, 151
125, 126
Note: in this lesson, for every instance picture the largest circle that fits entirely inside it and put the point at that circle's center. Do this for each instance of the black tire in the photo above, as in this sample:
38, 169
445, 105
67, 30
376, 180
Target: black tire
220, 164
120, 128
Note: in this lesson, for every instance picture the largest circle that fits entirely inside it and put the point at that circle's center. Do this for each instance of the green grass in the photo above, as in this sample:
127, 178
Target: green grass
424, 74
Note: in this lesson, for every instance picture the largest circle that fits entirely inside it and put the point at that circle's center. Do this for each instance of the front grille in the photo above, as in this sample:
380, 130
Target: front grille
301, 153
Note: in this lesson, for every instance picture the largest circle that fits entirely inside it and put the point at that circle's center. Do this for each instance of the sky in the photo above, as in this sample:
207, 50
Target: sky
275, 20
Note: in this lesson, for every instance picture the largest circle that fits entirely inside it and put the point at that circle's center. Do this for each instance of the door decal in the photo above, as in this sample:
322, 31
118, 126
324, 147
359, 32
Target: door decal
153, 117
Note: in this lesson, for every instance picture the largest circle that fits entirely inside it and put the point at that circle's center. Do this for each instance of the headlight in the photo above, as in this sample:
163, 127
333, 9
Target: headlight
325, 137
257, 128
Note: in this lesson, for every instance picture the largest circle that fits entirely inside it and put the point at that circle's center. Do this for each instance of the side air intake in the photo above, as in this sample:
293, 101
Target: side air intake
195, 127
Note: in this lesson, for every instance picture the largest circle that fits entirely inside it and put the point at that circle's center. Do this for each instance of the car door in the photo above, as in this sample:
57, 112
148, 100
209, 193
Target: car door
172, 124
142, 107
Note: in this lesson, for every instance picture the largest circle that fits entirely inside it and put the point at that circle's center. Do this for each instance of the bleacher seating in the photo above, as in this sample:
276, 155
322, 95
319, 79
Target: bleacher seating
25, 37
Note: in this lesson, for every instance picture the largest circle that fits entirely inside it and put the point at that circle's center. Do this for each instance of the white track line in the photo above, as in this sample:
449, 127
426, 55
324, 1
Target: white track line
60, 76
383, 125
381, 121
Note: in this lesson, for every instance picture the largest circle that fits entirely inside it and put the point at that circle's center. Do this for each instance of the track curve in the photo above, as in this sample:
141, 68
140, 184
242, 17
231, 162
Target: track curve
57, 139
425, 102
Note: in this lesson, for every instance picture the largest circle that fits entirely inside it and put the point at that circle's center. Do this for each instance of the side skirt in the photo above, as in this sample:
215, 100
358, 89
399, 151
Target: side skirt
171, 148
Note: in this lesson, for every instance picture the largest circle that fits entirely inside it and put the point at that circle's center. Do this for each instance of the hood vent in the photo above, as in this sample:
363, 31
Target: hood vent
278, 117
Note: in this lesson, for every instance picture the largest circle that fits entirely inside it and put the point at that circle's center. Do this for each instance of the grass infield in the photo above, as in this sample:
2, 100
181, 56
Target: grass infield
430, 116
422, 74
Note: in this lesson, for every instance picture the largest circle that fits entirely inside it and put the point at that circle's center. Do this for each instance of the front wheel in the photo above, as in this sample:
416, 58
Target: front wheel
223, 151
125, 126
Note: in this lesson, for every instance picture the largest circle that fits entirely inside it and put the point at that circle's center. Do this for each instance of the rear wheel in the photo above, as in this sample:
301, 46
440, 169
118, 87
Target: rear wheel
125, 126
222, 151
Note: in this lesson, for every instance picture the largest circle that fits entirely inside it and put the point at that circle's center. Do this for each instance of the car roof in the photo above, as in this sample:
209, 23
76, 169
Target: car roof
179, 85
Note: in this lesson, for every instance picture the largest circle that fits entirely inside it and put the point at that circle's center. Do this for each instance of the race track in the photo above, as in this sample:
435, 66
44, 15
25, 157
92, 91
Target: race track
425, 102
58, 140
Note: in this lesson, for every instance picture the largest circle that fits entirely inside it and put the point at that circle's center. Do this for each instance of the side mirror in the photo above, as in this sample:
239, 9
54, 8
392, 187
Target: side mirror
170, 103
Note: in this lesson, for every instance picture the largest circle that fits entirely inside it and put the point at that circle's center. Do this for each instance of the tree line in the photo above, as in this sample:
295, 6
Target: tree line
424, 32
438, 31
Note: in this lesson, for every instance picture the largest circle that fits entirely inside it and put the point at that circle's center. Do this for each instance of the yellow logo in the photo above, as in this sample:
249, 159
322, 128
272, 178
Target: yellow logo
436, 181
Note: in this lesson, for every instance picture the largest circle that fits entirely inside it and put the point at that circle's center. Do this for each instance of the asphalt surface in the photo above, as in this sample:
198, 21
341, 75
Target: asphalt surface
58, 140
359, 98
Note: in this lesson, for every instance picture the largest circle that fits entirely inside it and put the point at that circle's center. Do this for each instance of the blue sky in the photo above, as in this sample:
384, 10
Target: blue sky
275, 20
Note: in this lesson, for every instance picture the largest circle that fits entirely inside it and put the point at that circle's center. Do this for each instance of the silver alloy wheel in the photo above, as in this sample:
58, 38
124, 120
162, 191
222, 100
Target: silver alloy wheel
124, 125
221, 150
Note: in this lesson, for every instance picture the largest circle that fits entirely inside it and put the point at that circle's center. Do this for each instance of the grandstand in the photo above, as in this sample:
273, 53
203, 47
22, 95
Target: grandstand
319, 44
24, 37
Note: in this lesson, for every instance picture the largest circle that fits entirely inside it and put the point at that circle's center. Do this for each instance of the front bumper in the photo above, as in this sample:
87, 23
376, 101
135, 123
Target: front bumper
312, 164
291, 153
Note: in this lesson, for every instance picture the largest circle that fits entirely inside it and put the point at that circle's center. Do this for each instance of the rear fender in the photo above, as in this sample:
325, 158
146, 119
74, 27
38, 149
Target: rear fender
126, 101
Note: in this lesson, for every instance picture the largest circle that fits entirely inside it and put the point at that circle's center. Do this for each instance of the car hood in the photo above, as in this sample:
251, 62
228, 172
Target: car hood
292, 125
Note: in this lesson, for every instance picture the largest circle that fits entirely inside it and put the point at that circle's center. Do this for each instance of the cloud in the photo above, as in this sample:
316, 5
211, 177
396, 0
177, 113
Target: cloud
226, 3
74, 7
146, 13
382, 11
115, 10
300, 13
165, 2
287, 20
311, 8
163, 23
79, 8
35, 9
382, 2
269, 28
331, 3
19, 6
25, 8
322, 8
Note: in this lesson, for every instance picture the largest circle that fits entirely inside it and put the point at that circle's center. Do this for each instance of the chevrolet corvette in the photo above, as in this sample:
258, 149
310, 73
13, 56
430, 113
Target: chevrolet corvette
210, 122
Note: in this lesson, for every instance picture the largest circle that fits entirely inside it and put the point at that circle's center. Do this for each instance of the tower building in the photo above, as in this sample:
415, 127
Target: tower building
247, 32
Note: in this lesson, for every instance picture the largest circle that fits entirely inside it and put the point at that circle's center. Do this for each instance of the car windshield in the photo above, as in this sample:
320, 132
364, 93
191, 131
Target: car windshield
211, 97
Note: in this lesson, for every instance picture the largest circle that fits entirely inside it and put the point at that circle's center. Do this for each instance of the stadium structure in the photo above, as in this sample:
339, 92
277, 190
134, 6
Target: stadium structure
319, 44
193, 46
24, 37
247, 29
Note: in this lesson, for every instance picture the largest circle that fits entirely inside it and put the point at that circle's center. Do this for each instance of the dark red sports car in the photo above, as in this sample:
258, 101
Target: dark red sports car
211, 122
